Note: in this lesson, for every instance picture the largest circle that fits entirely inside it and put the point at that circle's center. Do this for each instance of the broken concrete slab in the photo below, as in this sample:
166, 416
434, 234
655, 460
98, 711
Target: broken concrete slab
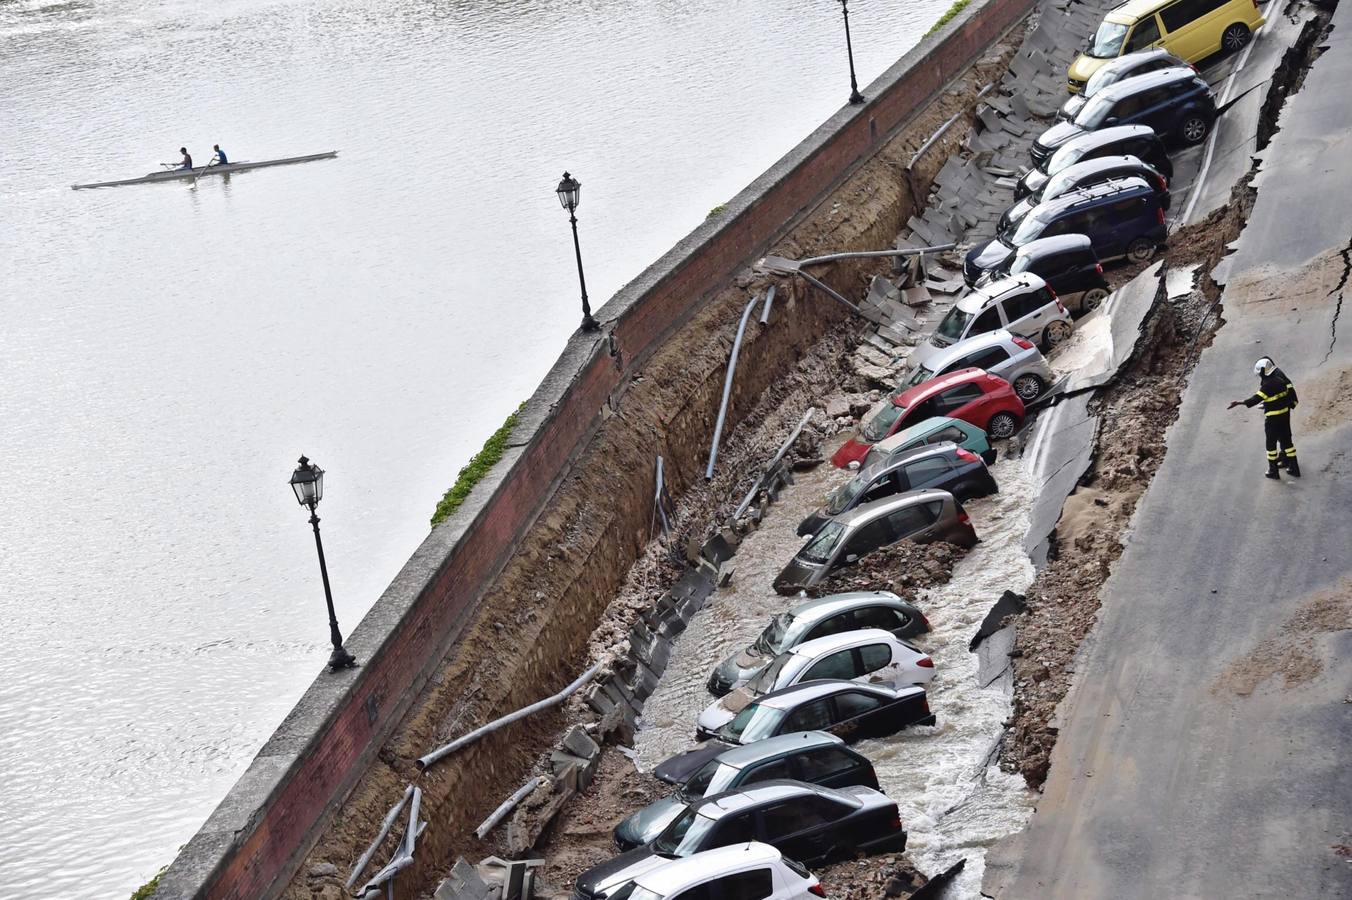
1058, 450
1106, 338
463, 883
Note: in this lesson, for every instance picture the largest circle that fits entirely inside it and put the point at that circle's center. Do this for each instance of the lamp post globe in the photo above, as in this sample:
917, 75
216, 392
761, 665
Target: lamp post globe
308, 484
570, 195
855, 97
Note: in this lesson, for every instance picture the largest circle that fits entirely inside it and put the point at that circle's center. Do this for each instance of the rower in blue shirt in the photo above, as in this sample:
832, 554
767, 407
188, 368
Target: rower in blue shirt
220, 159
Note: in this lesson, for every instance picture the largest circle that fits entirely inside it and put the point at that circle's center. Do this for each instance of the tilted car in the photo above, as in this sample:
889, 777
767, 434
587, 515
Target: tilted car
944, 466
1083, 174
807, 822
968, 394
1015, 359
811, 756
817, 618
1174, 102
1139, 141
848, 709
1024, 305
870, 655
1065, 260
1138, 62
921, 516
740, 872
935, 430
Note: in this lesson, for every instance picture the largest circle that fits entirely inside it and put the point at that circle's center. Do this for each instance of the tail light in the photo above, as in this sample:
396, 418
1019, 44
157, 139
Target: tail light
1059, 305
967, 455
1163, 182
1159, 211
924, 704
925, 662
1098, 267
817, 890
1024, 343
895, 824
963, 518
924, 618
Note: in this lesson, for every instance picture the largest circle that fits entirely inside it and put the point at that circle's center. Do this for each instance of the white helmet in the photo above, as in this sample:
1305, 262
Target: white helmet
1263, 367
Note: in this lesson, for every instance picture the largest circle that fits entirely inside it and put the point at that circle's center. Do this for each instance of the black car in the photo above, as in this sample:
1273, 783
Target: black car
814, 757
1138, 63
1119, 140
960, 472
1121, 218
850, 710
1175, 102
806, 822
1067, 263
1084, 174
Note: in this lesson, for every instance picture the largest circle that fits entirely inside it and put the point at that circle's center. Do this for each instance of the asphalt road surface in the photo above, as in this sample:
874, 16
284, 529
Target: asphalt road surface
1204, 750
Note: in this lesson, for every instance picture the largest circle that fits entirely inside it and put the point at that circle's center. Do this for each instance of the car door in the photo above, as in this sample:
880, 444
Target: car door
947, 433
768, 770
877, 665
915, 522
814, 715
833, 767
884, 485
948, 402
988, 321
1160, 108
867, 538
732, 830
1145, 35
753, 884
1056, 269
915, 413
888, 619
1121, 225
932, 471
862, 715
842, 664
1183, 26
837, 624
989, 359
966, 402
799, 828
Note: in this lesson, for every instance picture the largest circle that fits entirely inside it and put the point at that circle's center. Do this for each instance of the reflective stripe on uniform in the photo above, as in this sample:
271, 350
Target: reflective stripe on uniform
1272, 455
1291, 452
1277, 412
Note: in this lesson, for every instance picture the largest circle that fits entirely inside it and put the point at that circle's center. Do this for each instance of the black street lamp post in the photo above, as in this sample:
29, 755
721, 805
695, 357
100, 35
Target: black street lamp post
308, 483
855, 97
570, 195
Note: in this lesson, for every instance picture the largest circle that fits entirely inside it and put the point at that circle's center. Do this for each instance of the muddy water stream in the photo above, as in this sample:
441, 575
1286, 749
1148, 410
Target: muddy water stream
954, 800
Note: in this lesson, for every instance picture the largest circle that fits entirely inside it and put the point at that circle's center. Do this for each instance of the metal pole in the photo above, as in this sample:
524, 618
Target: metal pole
855, 97
783, 448
339, 658
727, 389
588, 323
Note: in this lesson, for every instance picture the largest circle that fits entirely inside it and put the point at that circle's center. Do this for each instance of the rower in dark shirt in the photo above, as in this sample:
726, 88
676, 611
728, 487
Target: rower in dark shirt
220, 156
187, 158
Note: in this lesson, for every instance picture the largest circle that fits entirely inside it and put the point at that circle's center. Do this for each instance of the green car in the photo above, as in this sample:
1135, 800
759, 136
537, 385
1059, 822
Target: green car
934, 430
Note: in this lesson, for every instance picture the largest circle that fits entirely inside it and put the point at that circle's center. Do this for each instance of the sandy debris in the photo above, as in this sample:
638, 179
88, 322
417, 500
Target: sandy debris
902, 568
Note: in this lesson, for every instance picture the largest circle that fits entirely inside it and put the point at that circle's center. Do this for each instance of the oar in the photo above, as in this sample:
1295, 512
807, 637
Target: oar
199, 174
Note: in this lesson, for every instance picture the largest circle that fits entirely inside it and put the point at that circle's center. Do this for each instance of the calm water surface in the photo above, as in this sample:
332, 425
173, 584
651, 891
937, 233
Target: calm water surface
166, 351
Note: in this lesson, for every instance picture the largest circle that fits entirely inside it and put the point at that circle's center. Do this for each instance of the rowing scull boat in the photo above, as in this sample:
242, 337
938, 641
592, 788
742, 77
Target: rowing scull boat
178, 174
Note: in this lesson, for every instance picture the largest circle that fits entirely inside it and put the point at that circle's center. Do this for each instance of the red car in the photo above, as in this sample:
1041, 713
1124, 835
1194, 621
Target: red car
972, 395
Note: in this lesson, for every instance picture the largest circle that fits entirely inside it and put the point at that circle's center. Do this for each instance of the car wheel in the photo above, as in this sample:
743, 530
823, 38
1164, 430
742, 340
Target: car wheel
1055, 333
1235, 38
1194, 128
1029, 387
1002, 425
1092, 299
1140, 249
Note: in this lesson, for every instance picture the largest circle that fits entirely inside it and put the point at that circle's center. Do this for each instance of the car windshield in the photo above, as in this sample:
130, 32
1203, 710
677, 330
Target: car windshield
713, 777
1021, 264
763, 682
1064, 158
880, 423
840, 499
953, 324
818, 550
771, 640
921, 374
1094, 112
1100, 80
1107, 41
1030, 228
755, 722
1058, 184
683, 837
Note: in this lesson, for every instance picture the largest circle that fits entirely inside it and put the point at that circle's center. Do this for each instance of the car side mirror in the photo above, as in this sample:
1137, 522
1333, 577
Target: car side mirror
851, 558
1110, 121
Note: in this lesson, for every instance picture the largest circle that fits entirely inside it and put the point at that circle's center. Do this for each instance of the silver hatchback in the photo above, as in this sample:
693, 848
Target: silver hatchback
1015, 359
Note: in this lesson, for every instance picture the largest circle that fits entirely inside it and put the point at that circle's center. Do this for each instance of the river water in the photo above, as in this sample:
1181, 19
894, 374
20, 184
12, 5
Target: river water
167, 351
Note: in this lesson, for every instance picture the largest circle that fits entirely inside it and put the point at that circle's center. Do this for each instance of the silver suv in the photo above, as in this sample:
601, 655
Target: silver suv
1015, 359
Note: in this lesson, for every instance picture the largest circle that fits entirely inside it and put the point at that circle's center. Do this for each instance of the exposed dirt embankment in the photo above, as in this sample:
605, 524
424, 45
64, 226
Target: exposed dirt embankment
531, 633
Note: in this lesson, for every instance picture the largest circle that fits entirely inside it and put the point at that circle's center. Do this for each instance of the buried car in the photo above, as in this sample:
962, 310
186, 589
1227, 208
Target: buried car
811, 756
972, 395
1069, 265
808, 822
1024, 305
1015, 359
870, 655
944, 466
1137, 62
1082, 174
848, 709
817, 618
921, 516
936, 430
755, 871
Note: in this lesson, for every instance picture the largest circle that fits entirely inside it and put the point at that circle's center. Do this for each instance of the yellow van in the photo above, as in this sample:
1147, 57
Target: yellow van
1189, 29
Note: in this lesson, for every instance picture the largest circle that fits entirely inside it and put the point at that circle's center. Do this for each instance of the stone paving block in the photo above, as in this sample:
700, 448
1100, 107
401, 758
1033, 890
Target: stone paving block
988, 117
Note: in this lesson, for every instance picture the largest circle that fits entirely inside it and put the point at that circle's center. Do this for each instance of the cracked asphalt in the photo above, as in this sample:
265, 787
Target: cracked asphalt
1168, 779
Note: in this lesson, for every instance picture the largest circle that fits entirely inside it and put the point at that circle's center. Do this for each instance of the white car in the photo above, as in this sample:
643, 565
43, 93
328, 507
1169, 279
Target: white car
870, 655
1015, 359
740, 871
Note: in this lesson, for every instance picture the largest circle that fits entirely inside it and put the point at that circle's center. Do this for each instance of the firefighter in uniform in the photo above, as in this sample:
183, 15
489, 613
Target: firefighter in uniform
1278, 396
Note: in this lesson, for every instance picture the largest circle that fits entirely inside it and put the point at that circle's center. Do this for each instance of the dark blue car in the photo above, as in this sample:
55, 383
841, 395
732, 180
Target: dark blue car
1122, 218
1175, 102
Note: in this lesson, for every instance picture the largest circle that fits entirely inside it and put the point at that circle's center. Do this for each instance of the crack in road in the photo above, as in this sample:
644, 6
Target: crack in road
1346, 254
